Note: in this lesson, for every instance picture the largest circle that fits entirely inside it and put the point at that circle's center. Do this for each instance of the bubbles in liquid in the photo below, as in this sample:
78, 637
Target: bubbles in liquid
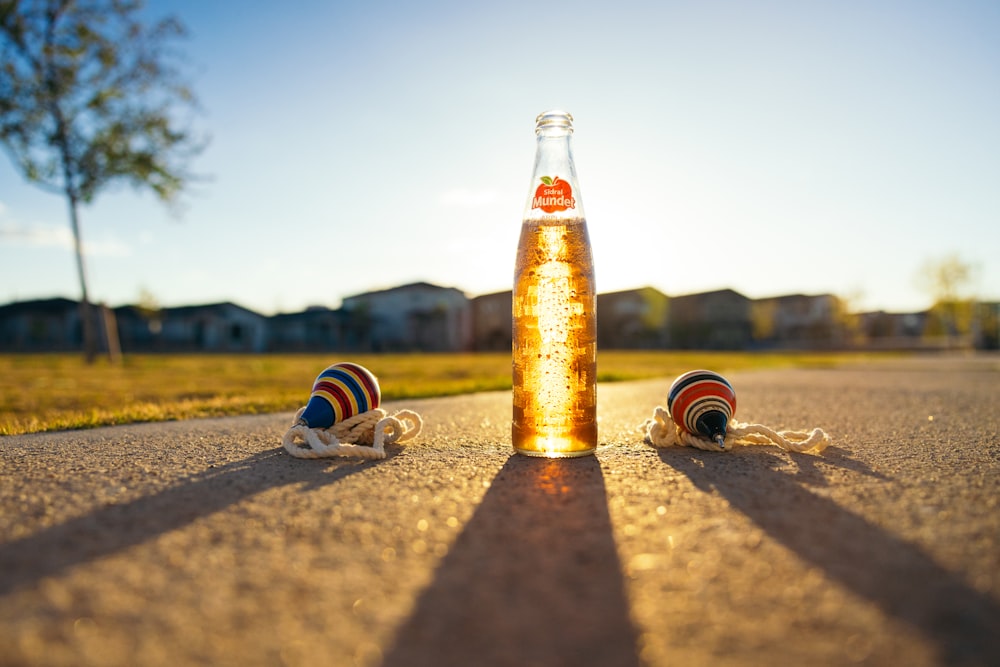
555, 346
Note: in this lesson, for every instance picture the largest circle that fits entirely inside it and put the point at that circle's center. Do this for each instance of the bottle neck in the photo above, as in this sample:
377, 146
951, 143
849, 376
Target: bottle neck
555, 190
554, 155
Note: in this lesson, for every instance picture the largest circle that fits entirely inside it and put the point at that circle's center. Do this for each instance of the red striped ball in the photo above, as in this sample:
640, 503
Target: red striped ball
699, 401
341, 391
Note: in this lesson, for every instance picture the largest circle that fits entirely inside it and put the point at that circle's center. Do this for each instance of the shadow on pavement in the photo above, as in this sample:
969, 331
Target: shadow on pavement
533, 579
874, 564
111, 528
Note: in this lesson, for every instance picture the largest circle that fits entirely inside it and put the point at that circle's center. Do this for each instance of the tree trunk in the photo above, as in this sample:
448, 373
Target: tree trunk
109, 334
86, 310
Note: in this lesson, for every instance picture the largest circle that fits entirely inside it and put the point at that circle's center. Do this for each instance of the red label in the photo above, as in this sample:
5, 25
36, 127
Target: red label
554, 194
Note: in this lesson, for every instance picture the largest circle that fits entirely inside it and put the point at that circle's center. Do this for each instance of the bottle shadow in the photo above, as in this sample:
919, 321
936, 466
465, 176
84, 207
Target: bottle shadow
112, 528
876, 565
533, 579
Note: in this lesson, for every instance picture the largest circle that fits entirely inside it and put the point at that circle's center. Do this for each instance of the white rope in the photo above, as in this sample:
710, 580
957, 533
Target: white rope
362, 436
661, 431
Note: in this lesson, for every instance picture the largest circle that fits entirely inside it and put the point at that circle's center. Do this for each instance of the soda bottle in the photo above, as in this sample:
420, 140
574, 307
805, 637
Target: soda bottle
554, 307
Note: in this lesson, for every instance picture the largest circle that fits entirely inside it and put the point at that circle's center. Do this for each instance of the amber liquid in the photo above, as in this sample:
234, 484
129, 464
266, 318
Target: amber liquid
555, 340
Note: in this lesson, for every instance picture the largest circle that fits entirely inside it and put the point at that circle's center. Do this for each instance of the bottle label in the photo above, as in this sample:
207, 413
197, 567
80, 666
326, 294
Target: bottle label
554, 194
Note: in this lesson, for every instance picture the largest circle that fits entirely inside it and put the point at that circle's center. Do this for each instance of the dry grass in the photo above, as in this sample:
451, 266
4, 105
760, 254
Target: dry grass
56, 392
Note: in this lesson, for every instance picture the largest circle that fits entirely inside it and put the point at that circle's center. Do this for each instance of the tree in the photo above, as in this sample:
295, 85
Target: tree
89, 97
847, 317
947, 280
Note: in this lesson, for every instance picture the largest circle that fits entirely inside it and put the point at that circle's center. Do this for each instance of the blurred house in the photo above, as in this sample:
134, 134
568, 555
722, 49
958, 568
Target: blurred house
718, 320
41, 325
415, 317
986, 325
799, 321
316, 329
881, 330
880, 324
492, 321
139, 328
215, 327
421, 317
632, 319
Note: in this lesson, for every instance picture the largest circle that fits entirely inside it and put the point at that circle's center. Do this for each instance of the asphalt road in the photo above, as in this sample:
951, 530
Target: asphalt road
203, 543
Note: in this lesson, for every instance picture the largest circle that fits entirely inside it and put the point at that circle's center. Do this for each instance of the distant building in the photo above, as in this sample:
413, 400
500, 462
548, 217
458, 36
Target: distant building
986, 325
415, 317
41, 325
492, 321
798, 321
316, 329
422, 317
216, 327
880, 324
632, 319
897, 331
718, 320
139, 328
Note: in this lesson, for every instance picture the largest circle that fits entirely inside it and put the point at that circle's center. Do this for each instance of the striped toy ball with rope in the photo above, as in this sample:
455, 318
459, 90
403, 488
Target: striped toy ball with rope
341, 391
698, 392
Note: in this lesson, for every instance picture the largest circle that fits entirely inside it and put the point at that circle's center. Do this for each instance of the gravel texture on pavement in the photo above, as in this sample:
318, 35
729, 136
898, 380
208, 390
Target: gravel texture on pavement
203, 543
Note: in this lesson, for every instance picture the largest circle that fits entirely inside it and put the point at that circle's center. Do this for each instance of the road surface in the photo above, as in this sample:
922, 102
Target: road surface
203, 543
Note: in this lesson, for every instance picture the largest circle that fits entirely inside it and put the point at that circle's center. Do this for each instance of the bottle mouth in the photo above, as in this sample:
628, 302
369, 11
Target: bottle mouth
552, 120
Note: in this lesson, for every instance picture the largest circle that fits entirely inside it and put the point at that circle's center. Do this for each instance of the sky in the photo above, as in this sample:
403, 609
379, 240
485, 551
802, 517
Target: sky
771, 147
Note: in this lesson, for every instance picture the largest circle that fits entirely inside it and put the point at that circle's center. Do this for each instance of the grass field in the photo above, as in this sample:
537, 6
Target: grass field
56, 392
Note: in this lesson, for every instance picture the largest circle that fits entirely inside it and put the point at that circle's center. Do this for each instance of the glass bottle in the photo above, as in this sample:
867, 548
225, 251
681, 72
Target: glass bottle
554, 307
